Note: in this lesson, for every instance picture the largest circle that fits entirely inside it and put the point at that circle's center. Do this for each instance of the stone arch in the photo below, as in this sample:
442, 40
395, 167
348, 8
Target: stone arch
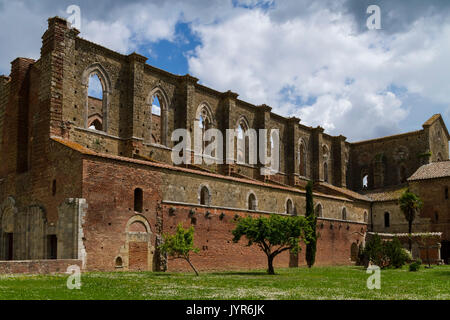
319, 210
97, 69
8, 212
203, 121
252, 201
8, 216
242, 151
354, 252
289, 206
95, 120
344, 213
118, 262
302, 157
204, 194
137, 254
164, 116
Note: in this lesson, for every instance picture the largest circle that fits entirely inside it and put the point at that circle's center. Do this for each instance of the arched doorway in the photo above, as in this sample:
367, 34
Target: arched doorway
139, 244
354, 252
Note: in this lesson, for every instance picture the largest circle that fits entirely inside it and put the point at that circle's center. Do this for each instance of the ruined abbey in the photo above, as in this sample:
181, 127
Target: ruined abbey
90, 181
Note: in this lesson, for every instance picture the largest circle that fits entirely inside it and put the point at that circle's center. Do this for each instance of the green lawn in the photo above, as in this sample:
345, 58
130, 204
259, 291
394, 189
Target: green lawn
299, 283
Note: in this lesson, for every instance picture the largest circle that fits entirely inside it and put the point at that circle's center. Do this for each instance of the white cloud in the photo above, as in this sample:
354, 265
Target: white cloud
321, 56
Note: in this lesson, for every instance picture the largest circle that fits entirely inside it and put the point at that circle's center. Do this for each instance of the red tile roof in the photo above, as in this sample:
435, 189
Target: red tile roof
386, 194
432, 170
83, 150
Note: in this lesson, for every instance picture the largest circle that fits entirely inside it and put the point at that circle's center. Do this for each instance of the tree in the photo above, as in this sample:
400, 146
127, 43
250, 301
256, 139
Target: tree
274, 234
180, 245
410, 204
312, 220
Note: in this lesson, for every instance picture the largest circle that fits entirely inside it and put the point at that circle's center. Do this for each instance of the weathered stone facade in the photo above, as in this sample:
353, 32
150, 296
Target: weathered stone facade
93, 180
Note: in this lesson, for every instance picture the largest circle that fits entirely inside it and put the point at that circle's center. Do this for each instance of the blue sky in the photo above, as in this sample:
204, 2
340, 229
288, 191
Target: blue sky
314, 60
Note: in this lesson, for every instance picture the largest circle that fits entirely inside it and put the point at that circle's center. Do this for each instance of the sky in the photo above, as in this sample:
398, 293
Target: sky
316, 60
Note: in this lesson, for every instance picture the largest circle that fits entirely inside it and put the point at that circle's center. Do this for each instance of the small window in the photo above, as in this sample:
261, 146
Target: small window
204, 196
54, 187
344, 214
289, 207
325, 172
366, 217
52, 246
387, 222
9, 246
138, 200
96, 125
319, 211
436, 216
119, 262
353, 252
302, 160
252, 202
446, 193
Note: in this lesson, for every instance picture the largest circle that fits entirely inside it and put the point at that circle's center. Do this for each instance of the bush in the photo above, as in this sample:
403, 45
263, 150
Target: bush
395, 254
386, 253
415, 265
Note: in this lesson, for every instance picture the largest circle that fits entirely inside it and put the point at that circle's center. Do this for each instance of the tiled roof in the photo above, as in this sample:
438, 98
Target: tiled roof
83, 150
432, 170
329, 188
386, 194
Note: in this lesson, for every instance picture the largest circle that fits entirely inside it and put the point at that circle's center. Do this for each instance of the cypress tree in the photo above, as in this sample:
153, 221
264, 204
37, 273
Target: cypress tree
312, 220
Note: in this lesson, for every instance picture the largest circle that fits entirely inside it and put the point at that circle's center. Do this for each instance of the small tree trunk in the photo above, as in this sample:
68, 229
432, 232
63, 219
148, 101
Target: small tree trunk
270, 269
192, 266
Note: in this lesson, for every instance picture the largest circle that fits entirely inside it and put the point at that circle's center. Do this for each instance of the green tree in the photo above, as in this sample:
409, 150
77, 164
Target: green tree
273, 234
180, 245
410, 204
312, 220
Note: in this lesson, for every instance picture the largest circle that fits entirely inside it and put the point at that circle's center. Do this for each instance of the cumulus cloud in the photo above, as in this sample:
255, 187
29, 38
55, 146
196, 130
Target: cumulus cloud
320, 68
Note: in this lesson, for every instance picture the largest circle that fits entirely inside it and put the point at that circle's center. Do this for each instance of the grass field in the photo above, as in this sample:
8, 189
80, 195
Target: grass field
299, 283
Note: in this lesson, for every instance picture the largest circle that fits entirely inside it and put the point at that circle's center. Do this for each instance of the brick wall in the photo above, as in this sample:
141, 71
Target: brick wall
108, 187
37, 266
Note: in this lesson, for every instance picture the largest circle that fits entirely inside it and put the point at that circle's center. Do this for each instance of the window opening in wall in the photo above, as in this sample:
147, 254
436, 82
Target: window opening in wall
138, 200
204, 196
52, 246
387, 222
251, 202
289, 207
95, 103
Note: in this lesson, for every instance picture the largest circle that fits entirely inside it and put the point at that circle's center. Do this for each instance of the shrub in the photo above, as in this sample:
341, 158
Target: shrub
374, 251
415, 265
395, 254
385, 253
